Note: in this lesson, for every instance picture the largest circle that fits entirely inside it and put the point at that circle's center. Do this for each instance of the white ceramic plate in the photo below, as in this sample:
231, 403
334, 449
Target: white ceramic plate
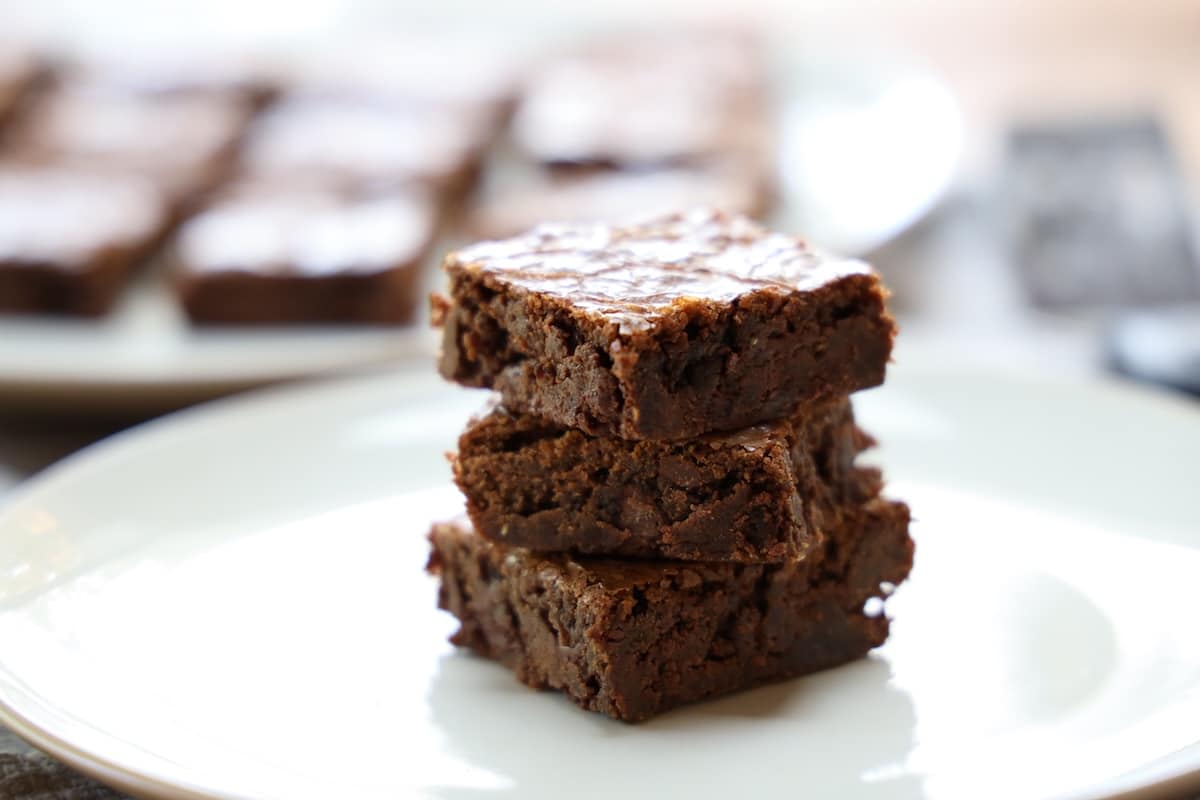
230, 602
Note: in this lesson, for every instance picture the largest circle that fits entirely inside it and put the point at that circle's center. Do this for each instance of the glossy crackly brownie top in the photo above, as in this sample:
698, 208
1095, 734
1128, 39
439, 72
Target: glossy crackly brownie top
637, 274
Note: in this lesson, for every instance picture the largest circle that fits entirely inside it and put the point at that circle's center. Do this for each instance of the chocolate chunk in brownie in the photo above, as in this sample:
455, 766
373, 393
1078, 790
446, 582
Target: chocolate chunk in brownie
273, 254
754, 495
633, 639
70, 240
617, 197
669, 329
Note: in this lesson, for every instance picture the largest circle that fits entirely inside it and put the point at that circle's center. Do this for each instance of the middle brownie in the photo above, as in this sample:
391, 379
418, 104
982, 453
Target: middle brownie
756, 495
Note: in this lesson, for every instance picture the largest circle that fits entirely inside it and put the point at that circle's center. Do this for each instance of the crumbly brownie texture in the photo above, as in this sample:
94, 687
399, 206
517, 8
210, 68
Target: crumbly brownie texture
617, 197
665, 330
634, 639
69, 241
279, 256
755, 495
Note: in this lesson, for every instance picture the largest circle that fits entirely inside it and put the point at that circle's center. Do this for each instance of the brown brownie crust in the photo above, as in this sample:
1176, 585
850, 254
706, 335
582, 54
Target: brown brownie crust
670, 329
755, 495
634, 639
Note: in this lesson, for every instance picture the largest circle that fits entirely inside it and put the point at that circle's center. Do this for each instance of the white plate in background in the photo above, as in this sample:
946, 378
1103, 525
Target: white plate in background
145, 357
231, 602
867, 147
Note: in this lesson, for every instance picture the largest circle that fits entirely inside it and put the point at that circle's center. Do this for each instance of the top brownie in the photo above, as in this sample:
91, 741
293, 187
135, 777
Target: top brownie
668, 329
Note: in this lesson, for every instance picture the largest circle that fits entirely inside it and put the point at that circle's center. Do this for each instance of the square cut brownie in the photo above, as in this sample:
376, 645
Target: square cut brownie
633, 639
669, 329
273, 255
754, 495
70, 240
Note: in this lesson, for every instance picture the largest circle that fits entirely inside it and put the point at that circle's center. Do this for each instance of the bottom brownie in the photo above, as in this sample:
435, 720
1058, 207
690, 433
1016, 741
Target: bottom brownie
632, 639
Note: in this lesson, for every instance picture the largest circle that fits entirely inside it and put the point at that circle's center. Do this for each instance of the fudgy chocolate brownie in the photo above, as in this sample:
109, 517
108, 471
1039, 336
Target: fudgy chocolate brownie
633, 639
70, 240
279, 255
754, 495
669, 329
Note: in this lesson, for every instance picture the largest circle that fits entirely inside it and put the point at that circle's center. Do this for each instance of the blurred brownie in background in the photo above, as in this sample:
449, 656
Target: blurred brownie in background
404, 110
70, 239
341, 185
635, 102
347, 144
635, 125
184, 143
20, 72
288, 254
158, 72
616, 197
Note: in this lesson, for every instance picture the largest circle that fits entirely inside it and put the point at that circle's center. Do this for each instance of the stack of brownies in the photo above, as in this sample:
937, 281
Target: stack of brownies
664, 504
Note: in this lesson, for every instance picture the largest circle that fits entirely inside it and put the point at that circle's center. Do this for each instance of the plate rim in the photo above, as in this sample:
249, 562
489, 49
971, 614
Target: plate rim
105, 771
56, 391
